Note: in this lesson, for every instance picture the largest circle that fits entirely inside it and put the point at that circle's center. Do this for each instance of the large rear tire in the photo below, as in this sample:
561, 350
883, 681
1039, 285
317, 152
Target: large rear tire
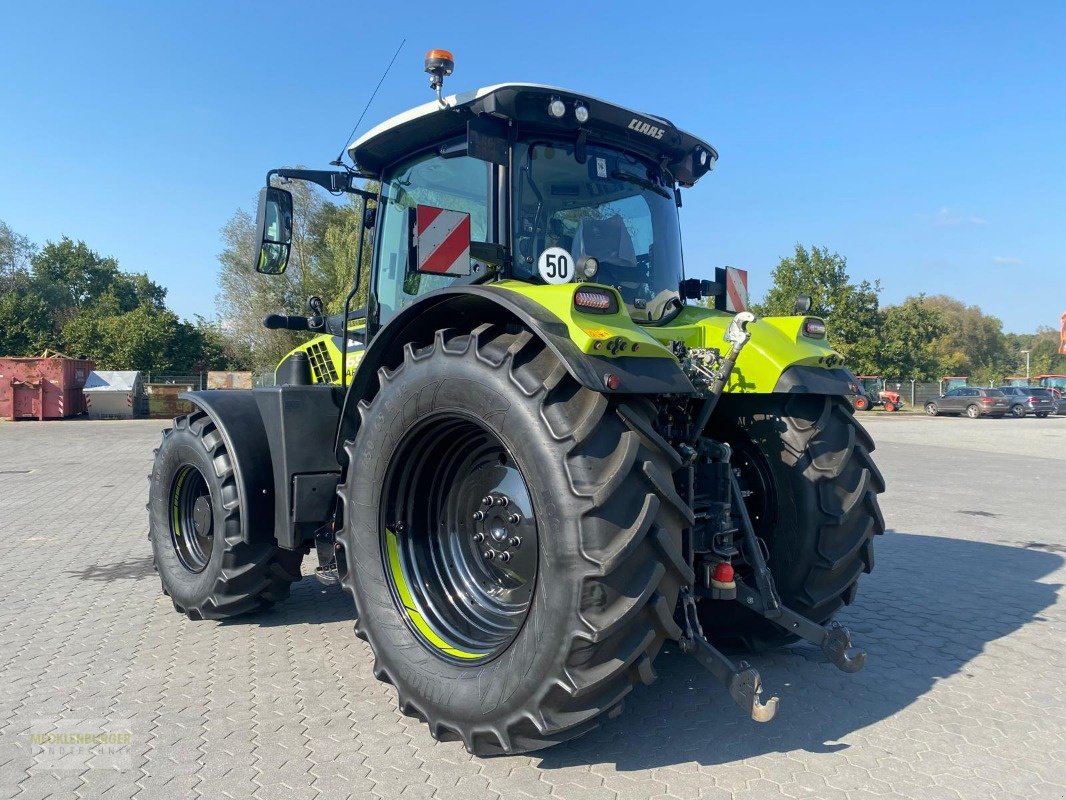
579, 624
194, 511
806, 461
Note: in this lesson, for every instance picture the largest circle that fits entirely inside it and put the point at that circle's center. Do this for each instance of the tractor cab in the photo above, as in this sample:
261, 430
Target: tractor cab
525, 182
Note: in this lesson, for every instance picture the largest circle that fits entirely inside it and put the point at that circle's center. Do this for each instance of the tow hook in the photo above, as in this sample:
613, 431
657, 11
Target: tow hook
741, 679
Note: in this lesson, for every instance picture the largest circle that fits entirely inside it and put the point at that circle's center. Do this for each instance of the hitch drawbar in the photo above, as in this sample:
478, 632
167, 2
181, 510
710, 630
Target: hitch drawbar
741, 679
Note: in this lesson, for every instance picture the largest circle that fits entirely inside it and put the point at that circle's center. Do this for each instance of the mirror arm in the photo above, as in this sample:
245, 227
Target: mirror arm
331, 181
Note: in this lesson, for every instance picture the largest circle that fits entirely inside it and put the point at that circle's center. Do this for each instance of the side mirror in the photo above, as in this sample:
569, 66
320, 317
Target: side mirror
273, 230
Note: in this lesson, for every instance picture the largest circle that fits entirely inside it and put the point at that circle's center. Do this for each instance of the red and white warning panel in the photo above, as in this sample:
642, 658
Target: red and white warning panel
735, 282
442, 241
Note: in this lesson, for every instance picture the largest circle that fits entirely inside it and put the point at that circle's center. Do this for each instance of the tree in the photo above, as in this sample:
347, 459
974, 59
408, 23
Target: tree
908, 332
972, 342
15, 254
850, 310
1043, 347
72, 274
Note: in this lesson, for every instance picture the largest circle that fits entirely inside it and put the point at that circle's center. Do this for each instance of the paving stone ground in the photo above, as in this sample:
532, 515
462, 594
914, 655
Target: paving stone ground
962, 697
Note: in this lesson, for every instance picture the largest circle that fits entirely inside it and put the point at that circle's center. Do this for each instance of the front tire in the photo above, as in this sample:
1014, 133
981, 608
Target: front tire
806, 461
194, 519
602, 512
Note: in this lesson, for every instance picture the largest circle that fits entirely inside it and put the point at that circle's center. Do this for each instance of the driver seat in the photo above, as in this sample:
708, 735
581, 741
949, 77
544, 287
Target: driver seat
606, 240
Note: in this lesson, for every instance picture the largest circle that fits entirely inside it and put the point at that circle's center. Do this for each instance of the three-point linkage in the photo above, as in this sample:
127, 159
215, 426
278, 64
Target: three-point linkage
726, 521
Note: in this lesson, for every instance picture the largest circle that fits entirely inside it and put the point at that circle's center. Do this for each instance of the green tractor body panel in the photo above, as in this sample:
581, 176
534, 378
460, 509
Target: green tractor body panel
777, 344
324, 352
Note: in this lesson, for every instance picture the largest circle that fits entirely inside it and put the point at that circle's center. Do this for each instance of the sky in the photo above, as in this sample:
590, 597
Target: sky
925, 142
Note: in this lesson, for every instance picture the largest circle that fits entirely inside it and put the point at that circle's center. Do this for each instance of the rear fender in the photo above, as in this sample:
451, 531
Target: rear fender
590, 346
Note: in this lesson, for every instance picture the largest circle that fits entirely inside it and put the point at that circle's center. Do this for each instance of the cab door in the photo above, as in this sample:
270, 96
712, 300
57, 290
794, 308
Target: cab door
453, 184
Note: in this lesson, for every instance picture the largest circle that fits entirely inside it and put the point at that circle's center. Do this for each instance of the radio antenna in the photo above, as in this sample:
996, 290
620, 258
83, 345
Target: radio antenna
339, 160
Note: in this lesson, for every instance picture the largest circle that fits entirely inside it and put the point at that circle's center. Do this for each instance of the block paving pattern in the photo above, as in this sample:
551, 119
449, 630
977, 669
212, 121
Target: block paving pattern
962, 697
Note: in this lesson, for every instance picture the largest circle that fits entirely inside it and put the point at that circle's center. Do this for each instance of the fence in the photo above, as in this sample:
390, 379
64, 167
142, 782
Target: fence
916, 393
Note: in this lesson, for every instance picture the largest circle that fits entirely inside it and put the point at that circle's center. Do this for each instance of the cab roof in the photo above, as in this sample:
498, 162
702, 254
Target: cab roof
525, 105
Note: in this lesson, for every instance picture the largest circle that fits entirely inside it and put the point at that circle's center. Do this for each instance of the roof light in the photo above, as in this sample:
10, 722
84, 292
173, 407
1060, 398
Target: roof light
441, 55
588, 266
557, 108
439, 65
581, 113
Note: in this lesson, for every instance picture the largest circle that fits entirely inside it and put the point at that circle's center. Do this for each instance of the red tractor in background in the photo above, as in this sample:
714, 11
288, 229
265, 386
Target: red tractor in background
872, 394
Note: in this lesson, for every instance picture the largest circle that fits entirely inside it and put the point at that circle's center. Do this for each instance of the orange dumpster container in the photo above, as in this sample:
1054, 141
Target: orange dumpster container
42, 388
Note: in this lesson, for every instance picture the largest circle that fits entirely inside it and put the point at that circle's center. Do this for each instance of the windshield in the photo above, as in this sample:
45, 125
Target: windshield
613, 208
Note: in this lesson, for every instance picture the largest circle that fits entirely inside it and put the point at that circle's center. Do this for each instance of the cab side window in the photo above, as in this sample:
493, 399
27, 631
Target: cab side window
457, 184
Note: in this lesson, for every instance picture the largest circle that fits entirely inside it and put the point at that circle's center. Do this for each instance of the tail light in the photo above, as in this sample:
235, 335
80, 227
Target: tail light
597, 301
988, 400
1034, 400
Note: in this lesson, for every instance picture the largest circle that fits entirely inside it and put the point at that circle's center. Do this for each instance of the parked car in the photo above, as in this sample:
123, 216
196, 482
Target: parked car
972, 401
1030, 400
1060, 398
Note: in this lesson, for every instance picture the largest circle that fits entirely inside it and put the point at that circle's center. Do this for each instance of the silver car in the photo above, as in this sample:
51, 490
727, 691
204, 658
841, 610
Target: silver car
972, 401
1030, 400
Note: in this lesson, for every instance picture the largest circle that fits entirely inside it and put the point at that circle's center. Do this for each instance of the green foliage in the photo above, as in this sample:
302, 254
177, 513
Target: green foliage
908, 334
850, 310
67, 297
922, 338
972, 344
1043, 347
15, 254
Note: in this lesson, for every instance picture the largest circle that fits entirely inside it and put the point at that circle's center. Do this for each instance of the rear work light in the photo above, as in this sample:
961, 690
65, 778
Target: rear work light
597, 301
814, 328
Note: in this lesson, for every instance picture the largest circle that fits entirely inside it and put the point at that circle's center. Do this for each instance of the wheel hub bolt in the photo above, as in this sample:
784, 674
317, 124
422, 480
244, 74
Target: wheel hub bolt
490, 554
502, 500
399, 526
505, 556
515, 542
478, 516
486, 500
514, 519
479, 537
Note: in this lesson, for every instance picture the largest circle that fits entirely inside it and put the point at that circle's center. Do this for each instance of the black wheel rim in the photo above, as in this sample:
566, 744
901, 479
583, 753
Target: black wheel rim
191, 519
459, 538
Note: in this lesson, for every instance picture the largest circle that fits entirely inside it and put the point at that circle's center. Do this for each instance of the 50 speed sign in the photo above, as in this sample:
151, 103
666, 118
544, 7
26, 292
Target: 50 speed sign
556, 265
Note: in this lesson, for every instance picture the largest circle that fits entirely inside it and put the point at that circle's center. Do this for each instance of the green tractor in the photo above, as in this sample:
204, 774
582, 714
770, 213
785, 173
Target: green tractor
539, 452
